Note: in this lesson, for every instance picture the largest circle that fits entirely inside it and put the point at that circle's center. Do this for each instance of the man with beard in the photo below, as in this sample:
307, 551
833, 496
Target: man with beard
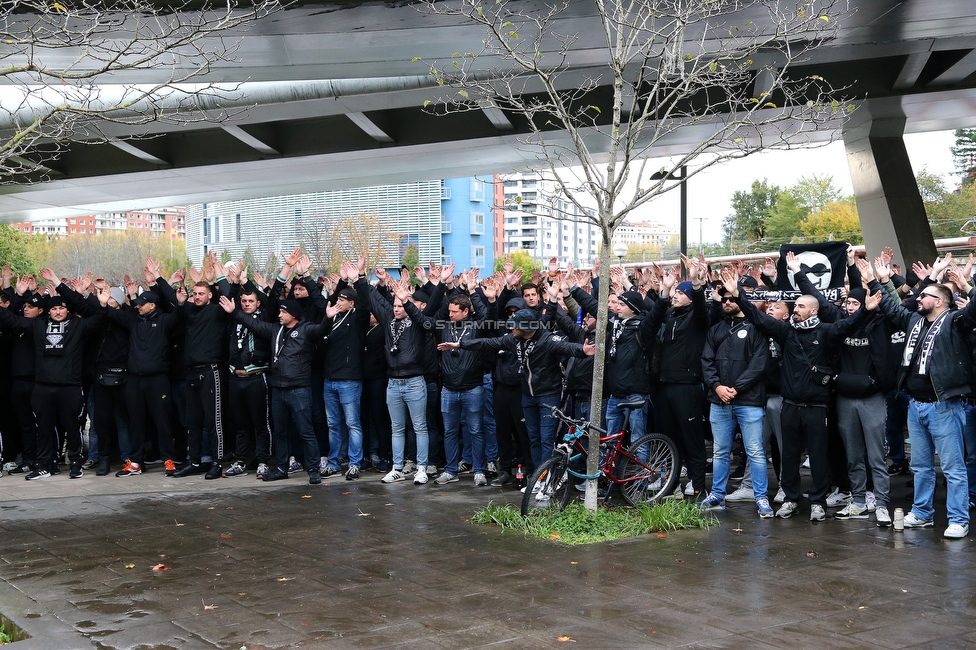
807, 346
935, 375
733, 364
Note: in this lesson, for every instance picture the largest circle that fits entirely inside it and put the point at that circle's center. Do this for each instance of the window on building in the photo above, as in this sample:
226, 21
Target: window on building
477, 223
216, 229
477, 192
478, 256
511, 183
206, 232
237, 226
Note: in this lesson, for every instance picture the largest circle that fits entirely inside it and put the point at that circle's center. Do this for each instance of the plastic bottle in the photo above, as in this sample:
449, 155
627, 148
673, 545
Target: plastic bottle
520, 477
899, 519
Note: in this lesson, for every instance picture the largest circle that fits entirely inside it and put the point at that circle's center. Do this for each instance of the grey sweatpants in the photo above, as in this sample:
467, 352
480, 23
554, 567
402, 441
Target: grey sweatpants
861, 421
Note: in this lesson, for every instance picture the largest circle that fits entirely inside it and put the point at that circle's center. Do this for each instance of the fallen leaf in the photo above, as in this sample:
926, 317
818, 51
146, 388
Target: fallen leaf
862, 607
306, 496
229, 508
679, 561
211, 508
284, 579
563, 639
241, 593
362, 514
206, 606
130, 566
555, 536
574, 562
347, 492
812, 554
160, 567
226, 536
660, 535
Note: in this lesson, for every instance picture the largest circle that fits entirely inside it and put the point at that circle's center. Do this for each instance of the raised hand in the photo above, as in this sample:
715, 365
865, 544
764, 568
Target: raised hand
887, 255
939, 267
227, 304
22, 283
260, 281
50, 276
921, 270
669, 280
447, 273
508, 265
792, 263
420, 274
867, 273
730, 282
131, 289
553, 265
769, 269
292, 258
195, 275
382, 275
5, 276
361, 264
851, 255
872, 300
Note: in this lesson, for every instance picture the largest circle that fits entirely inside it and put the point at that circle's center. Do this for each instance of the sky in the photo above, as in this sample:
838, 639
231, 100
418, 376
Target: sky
710, 193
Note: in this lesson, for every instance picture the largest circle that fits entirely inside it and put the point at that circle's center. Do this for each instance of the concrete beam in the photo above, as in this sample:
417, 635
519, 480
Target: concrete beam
888, 201
957, 72
249, 140
132, 150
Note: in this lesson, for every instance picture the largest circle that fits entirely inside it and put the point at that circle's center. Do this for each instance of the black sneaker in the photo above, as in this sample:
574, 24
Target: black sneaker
503, 479
314, 478
76, 471
352, 473
464, 467
22, 469
382, 466
38, 474
214, 472
899, 469
274, 475
104, 467
188, 470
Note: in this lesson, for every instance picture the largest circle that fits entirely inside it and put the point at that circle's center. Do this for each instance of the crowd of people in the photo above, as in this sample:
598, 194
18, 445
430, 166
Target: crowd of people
220, 372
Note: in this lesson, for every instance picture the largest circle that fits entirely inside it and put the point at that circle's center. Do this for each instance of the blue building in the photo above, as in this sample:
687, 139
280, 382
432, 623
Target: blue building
448, 221
467, 234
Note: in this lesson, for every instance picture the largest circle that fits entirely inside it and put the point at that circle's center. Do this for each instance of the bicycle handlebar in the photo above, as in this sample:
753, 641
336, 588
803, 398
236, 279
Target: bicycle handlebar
585, 425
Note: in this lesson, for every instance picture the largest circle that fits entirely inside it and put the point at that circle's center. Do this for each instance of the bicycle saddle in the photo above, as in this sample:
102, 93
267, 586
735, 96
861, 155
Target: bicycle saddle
636, 404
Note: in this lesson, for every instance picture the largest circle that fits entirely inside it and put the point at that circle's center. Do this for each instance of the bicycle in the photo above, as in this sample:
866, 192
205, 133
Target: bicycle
645, 471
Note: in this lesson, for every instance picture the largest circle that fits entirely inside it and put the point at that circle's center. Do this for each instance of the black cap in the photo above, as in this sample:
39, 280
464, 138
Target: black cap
145, 297
632, 299
525, 320
749, 281
421, 296
348, 294
293, 307
36, 300
56, 301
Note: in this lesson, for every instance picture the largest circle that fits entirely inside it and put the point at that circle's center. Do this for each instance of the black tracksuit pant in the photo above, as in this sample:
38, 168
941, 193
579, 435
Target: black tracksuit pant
805, 424
203, 410
149, 402
250, 413
109, 402
21, 391
679, 416
57, 408
510, 427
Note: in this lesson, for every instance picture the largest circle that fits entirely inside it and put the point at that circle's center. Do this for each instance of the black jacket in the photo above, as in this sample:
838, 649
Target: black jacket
579, 372
539, 358
407, 360
461, 369
682, 339
58, 347
206, 326
629, 348
150, 338
346, 343
247, 351
802, 350
951, 367
735, 355
291, 349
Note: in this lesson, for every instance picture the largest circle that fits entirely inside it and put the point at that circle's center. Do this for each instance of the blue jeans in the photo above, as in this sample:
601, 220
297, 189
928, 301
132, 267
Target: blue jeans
750, 418
292, 406
342, 405
969, 442
939, 426
403, 396
466, 404
540, 425
638, 417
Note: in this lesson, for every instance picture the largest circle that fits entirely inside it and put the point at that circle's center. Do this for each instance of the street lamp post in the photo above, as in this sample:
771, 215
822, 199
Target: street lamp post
620, 251
683, 217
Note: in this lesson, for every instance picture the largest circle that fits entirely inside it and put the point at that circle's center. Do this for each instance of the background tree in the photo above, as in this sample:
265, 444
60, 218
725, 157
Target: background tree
750, 212
660, 66
954, 215
61, 65
964, 155
111, 255
15, 250
520, 260
835, 221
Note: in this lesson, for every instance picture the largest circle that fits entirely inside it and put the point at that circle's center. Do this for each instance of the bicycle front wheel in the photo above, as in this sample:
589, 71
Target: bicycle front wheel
650, 472
549, 487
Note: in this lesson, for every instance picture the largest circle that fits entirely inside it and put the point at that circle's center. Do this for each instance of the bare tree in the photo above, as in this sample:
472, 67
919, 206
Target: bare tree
62, 62
715, 75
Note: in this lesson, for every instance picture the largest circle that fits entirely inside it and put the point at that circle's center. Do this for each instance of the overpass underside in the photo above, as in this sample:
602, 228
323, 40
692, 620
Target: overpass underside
340, 103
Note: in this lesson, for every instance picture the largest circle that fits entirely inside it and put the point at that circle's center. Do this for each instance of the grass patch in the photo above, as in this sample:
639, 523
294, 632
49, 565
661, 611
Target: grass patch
576, 525
4, 637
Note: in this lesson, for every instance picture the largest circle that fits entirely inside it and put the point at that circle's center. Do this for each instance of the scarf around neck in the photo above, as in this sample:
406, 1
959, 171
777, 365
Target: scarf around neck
807, 324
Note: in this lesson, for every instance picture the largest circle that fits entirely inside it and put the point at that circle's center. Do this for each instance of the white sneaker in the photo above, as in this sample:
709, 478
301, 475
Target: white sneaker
743, 494
911, 521
323, 463
780, 496
394, 476
677, 495
421, 476
870, 501
806, 463
956, 531
690, 489
836, 499
480, 479
882, 517
817, 512
408, 467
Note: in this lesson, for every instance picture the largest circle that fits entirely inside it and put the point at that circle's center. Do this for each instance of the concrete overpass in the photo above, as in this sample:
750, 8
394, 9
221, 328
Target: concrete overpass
913, 62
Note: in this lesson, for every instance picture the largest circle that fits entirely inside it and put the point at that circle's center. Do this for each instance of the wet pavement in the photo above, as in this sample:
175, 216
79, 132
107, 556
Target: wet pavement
361, 564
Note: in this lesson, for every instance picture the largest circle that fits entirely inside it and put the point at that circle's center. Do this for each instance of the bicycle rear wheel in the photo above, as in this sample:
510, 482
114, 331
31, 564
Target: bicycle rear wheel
655, 472
550, 486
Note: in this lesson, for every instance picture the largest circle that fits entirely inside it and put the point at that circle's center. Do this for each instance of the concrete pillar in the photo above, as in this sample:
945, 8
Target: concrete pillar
888, 201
